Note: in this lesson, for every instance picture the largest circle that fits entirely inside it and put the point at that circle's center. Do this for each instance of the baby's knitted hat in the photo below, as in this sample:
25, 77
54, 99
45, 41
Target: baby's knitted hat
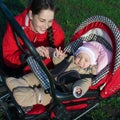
90, 49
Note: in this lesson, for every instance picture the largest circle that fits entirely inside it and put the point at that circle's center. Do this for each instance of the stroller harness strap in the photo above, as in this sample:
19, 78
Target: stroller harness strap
60, 68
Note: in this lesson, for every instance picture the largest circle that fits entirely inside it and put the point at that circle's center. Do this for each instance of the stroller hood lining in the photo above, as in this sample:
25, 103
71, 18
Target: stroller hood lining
100, 32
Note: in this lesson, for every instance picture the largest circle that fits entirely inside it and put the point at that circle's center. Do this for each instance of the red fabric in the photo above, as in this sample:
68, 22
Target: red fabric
37, 109
11, 52
77, 100
112, 86
72, 107
92, 26
119, 29
76, 107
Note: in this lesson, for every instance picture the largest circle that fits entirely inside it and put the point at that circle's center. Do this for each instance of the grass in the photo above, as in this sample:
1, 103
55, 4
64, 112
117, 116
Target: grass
69, 15
72, 12
108, 109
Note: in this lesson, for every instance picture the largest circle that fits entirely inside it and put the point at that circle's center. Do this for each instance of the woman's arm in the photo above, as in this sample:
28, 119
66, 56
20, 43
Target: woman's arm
11, 52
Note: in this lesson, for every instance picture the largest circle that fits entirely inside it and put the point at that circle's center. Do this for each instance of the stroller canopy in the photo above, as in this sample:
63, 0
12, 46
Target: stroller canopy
105, 28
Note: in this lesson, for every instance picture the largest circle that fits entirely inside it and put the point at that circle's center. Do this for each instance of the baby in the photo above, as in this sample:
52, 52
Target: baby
86, 60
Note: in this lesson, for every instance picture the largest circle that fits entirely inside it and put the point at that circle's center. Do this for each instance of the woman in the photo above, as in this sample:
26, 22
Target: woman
38, 24
42, 30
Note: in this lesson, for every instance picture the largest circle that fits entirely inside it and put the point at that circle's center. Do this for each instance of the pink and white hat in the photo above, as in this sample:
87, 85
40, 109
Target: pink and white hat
90, 49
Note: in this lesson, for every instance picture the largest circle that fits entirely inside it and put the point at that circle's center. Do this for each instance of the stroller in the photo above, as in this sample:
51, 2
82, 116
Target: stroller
64, 106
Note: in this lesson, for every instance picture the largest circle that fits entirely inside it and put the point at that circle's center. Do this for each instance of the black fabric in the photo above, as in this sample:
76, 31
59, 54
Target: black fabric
61, 67
67, 79
23, 58
7, 71
72, 76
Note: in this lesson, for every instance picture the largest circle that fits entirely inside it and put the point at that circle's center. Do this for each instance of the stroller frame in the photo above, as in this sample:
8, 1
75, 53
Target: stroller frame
57, 109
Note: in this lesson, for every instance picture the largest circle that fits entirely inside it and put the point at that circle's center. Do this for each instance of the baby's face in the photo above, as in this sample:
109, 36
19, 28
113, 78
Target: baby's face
82, 60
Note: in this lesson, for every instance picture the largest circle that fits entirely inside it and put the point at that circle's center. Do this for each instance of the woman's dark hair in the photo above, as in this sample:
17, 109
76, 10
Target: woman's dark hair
50, 37
38, 5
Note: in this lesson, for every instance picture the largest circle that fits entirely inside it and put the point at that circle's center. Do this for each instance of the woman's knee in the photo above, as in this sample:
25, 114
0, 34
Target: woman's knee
28, 96
12, 83
31, 79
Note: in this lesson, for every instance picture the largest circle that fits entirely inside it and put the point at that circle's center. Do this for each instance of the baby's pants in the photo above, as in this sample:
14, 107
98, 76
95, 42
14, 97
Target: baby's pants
26, 90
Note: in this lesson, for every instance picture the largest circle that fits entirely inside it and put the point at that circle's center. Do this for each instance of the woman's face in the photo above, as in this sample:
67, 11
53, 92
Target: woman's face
82, 60
42, 21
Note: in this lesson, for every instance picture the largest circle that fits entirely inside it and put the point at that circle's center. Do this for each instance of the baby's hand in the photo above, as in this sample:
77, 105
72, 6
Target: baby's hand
43, 51
59, 53
78, 90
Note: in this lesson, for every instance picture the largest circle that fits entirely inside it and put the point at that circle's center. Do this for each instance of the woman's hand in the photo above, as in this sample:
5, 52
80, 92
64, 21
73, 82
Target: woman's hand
45, 51
51, 51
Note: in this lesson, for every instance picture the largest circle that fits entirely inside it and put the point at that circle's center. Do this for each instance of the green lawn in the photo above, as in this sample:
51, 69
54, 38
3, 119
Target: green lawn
69, 15
72, 12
